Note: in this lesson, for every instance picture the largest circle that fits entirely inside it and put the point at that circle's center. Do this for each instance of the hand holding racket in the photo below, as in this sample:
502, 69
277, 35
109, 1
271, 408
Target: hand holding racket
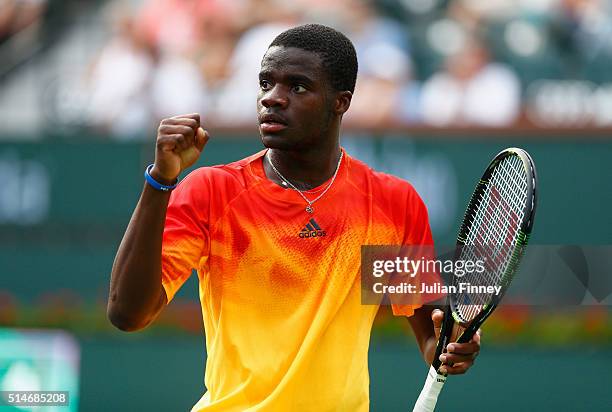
458, 357
495, 228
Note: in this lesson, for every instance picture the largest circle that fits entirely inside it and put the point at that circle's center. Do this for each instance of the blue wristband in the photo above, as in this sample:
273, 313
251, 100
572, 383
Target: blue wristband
154, 183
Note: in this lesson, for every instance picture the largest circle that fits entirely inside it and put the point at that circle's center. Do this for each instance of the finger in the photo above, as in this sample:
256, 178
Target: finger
457, 369
167, 143
452, 359
194, 116
437, 316
175, 129
201, 139
463, 348
185, 121
185, 131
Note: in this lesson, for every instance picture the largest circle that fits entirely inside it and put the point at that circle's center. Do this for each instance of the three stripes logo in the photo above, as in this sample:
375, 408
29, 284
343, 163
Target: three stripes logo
312, 229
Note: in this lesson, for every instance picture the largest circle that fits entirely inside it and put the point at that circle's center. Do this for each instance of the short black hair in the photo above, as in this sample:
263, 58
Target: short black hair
335, 49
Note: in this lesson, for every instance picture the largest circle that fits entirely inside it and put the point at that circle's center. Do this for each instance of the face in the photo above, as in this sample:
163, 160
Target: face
295, 103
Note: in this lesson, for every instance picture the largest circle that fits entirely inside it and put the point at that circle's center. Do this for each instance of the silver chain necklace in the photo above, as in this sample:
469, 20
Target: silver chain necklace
309, 202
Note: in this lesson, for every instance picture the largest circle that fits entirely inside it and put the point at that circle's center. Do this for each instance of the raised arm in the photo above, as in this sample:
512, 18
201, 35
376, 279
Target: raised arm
136, 294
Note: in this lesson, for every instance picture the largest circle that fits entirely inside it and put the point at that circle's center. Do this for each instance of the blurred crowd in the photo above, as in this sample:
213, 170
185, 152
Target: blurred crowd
421, 62
178, 56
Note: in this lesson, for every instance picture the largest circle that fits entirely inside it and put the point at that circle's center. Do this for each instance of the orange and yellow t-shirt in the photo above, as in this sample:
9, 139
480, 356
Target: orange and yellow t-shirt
285, 327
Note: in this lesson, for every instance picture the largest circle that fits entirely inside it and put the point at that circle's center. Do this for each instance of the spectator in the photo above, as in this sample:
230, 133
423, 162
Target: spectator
175, 25
187, 34
177, 86
581, 31
119, 81
385, 67
16, 15
234, 105
471, 90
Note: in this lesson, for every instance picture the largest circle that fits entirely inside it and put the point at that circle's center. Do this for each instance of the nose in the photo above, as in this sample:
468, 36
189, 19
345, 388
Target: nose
275, 97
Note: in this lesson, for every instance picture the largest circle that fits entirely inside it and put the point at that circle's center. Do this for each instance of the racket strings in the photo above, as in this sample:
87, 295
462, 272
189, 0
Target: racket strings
493, 234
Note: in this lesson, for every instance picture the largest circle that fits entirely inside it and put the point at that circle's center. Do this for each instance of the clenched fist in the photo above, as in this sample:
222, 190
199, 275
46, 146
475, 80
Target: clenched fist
180, 141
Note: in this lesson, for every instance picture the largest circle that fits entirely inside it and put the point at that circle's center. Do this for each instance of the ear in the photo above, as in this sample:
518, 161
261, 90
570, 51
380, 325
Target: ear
342, 102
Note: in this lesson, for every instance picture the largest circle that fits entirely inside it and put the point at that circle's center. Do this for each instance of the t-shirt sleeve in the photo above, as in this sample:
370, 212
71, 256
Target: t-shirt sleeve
416, 233
185, 239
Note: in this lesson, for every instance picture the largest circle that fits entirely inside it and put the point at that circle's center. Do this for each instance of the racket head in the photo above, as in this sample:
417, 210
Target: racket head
503, 207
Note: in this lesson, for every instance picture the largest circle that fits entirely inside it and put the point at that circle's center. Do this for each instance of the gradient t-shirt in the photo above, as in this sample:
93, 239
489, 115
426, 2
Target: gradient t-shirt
279, 287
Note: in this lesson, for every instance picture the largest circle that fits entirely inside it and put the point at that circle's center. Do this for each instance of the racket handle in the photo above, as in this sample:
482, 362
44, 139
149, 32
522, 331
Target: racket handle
429, 394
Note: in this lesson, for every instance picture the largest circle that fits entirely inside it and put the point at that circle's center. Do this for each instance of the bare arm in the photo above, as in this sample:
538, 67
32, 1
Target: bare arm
423, 328
136, 293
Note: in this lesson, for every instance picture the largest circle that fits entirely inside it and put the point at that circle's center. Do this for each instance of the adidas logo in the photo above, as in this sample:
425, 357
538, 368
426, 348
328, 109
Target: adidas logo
312, 229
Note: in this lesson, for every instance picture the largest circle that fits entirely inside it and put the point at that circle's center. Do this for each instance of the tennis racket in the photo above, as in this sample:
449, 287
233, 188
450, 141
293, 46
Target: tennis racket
495, 229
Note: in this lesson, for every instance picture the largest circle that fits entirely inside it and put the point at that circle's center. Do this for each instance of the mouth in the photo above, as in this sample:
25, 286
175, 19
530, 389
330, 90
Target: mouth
271, 123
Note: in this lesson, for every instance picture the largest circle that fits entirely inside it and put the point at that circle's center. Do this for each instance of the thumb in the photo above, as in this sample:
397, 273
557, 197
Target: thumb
476, 337
437, 316
201, 139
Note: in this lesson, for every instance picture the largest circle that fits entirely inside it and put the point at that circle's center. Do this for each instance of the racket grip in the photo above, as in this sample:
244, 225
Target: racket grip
429, 394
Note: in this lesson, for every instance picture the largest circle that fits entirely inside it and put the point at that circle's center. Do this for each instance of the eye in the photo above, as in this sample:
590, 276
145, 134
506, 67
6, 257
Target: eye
299, 88
264, 85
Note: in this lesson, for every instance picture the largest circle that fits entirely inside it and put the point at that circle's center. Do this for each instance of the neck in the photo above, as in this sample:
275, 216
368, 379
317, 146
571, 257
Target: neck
305, 169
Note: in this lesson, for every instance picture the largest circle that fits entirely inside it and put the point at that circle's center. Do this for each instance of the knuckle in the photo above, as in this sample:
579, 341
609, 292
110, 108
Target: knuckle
184, 130
165, 129
161, 143
187, 122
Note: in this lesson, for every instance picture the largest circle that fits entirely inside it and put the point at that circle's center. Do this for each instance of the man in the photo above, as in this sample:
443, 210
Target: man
276, 241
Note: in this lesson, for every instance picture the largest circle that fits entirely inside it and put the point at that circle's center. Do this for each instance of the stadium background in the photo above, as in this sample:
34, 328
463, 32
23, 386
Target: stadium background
83, 84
